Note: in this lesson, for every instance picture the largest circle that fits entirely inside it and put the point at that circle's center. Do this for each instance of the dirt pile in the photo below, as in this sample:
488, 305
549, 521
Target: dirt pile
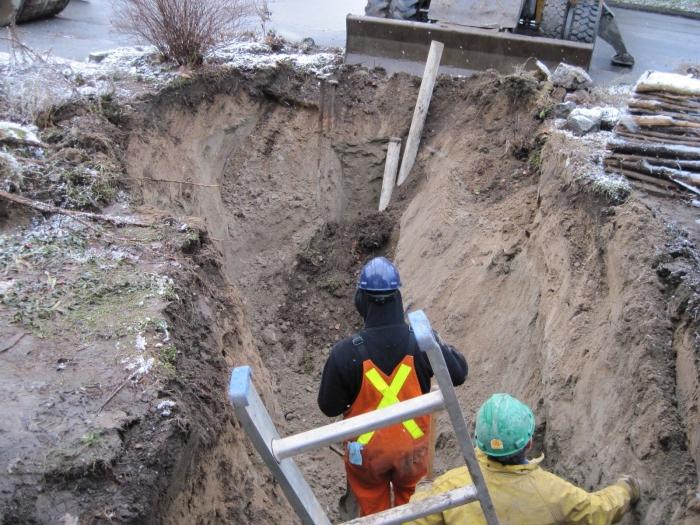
540, 279
115, 348
582, 304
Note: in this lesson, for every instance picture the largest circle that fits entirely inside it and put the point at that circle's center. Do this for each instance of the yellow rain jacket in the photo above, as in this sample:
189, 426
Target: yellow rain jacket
527, 495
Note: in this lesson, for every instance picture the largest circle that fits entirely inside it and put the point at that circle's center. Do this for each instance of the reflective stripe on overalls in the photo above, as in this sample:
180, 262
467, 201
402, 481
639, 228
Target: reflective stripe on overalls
390, 396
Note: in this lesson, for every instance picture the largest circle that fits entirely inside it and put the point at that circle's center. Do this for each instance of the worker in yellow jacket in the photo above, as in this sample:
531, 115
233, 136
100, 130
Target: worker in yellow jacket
522, 492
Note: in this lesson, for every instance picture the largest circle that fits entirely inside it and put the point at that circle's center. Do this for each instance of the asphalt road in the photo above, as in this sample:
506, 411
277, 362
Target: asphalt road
660, 42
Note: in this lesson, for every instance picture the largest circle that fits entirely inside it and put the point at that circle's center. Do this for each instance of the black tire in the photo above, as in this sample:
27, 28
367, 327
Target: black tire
403, 9
38, 9
9, 10
378, 8
584, 25
554, 18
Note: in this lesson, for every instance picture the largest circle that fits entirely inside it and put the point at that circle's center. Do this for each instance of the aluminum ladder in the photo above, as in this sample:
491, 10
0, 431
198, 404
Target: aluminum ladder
277, 452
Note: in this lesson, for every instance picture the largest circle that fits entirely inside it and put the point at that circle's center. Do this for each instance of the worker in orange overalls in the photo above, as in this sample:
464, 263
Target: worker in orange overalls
377, 367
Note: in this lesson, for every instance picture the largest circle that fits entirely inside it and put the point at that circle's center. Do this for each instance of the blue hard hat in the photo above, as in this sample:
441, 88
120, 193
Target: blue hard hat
379, 275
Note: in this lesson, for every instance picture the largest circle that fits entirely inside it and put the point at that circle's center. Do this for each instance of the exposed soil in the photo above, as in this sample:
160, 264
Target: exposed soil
584, 308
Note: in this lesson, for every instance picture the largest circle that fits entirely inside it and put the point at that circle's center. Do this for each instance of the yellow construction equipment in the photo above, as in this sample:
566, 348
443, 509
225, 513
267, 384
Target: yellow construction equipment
481, 34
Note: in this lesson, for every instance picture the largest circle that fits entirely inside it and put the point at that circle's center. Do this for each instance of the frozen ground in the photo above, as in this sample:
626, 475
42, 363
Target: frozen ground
658, 42
38, 83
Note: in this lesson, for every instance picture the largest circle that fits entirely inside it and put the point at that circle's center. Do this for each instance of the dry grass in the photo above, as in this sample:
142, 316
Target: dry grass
183, 30
31, 83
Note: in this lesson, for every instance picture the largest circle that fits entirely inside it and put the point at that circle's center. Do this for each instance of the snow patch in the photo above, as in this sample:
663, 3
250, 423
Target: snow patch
140, 365
140, 343
39, 83
258, 55
669, 82
14, 131
620, 89
164, 285
6, 286
165, 407
11, 161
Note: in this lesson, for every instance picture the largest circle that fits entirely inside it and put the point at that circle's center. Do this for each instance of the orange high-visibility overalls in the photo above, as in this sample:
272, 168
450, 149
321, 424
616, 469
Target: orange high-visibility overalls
393, 457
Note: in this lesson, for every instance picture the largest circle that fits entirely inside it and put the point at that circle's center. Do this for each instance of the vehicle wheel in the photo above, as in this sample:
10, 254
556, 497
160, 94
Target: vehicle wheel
584, 24
403, 9
554, 18
9, 10
37, 9
378, 8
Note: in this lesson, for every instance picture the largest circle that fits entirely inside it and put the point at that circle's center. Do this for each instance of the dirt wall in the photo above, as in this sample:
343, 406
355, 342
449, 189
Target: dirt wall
552, 292
555, 296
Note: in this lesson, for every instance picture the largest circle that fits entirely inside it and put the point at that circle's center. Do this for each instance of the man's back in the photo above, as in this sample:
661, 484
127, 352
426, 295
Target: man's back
527, 495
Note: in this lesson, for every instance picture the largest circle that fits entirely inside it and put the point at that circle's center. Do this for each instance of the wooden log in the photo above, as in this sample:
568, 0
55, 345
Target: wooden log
672, 99
658, 171
686, 186
690, 132
421, 111
663, 121
672, 83
634, 173
671, 131
690, 117
672, 151
656, 137
652, 189
658, 105
393, 152
49, 208
661, 183
686, 165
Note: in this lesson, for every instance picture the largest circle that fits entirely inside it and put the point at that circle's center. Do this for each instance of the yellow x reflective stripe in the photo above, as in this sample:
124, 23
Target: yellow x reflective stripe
390, 397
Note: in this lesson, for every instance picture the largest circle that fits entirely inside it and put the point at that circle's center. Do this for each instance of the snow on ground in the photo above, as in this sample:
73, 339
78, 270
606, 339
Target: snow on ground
668, 82
258, 55
31, 83
11, 130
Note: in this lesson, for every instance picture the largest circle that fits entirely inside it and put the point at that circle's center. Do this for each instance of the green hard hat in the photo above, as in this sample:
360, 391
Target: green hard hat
504, 426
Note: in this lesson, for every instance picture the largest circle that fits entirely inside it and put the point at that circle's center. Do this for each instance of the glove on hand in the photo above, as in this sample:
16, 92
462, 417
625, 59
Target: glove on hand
633, 485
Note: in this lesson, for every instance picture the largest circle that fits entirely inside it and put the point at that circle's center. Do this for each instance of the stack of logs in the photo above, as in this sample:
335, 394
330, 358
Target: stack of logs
657, 146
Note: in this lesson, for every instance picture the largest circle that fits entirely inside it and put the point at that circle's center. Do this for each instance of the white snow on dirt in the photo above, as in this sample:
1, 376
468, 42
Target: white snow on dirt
668, 82
12, 130
258, 55
140, 343
141, 365
34, 83
165, 407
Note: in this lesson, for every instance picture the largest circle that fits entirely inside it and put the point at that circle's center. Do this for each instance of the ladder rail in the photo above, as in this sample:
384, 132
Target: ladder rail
420, 508
277, 452
426, 342
256, 422
287, 447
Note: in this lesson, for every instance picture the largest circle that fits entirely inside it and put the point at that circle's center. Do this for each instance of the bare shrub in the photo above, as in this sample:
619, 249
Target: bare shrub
262, 10
183, 30
30, 83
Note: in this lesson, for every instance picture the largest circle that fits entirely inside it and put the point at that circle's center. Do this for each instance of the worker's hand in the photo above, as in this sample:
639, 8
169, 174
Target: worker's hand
633, 484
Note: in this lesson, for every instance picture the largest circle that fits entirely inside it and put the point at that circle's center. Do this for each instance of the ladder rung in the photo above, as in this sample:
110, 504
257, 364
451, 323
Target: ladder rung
420, 508
355, 426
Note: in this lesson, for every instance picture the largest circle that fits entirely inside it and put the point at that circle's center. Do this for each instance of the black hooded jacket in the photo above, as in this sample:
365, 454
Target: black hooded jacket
387, 340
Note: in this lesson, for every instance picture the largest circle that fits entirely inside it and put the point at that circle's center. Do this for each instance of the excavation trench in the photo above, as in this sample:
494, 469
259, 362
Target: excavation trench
552, 293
